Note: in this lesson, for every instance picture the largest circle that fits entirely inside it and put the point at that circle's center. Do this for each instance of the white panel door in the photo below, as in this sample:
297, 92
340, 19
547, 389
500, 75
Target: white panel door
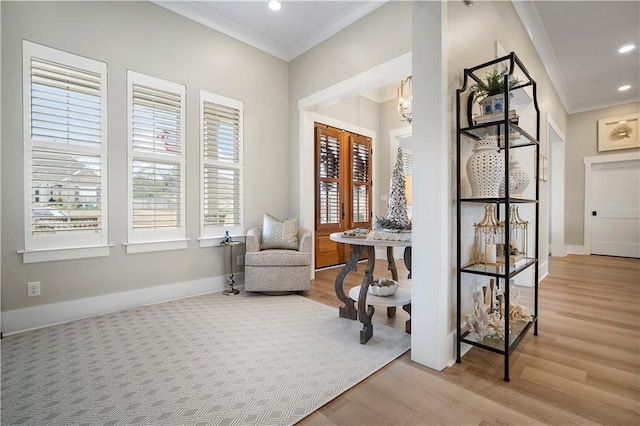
615, 221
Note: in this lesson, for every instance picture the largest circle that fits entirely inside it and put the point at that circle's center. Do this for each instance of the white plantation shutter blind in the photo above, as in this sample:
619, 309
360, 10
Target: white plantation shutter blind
156, 195
157, 123
222, 165
222, 133
407, 161
361, 180
157, 160
66, 194
65, 149
65, 104
329, 177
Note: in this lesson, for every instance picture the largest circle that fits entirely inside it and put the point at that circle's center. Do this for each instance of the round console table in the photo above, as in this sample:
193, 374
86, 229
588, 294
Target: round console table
365, 309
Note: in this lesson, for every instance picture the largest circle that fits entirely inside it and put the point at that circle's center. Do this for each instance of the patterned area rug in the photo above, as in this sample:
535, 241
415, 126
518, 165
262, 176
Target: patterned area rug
207, 360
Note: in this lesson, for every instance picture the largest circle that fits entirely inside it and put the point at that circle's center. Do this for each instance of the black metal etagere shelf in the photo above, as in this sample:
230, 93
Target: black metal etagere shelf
515, 137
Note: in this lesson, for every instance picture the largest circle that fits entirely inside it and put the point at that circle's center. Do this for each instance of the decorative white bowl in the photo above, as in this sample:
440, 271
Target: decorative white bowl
383, 287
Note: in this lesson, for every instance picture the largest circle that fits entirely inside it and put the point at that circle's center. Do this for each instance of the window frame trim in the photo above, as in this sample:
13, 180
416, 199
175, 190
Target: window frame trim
41, 248
151, 240
212, 233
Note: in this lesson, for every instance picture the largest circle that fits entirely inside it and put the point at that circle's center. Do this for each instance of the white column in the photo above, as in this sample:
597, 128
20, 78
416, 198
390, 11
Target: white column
432, 341
555, 141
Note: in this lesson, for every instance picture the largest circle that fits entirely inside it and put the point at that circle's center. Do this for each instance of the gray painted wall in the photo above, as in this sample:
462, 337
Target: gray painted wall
359, 111
582, 141
149, 39
378, 37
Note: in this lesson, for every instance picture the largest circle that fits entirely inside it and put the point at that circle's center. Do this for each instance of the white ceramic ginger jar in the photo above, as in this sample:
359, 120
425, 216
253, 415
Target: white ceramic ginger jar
519, 176
485, 169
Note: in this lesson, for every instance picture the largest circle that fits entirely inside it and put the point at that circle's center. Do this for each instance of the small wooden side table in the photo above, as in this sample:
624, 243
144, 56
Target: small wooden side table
230, 291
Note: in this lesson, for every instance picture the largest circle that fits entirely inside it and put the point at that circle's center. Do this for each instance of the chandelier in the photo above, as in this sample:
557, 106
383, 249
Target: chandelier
405, 100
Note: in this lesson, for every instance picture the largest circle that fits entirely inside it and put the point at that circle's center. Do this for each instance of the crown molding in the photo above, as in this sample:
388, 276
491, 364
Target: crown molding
532, 23
195, 12
347, 16
382, 95
192, 10
590, 107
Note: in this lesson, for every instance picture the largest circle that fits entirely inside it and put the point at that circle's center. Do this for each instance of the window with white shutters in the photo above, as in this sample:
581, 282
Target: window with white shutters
65, 140
156, 163
221, 166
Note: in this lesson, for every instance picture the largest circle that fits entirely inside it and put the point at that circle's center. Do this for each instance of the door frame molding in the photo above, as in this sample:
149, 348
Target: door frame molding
388, 72
588, 176
556, 152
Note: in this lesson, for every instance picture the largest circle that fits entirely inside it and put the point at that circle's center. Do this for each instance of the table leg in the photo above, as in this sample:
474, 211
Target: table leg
407, 326
349, 309
391, 265
365, 312
407, 259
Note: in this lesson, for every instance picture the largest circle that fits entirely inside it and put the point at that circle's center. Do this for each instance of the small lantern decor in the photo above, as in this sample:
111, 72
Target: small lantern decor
489, 235
518, 237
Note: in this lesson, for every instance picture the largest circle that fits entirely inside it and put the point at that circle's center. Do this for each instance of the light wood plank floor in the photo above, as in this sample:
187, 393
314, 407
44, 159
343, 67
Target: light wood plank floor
583, 368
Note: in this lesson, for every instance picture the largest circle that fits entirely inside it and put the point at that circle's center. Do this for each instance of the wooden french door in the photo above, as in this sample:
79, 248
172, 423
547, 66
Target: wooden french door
343, 189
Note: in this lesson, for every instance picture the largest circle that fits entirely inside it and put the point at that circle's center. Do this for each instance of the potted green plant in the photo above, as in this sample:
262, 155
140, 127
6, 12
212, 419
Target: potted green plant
490, 93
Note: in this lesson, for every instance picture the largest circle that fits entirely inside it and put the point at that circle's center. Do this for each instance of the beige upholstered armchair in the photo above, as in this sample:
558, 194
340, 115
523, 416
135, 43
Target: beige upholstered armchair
274, 270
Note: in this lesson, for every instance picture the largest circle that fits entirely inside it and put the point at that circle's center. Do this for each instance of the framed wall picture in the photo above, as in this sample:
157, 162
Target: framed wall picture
544, 167
618, 132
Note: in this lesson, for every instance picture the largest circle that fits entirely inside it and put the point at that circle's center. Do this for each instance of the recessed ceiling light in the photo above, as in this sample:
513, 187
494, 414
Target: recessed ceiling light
623, 88
274, 5
627, 48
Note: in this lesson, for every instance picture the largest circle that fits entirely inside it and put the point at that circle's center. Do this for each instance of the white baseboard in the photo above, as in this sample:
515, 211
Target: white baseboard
451, 343
543, 270
464, 348
576, 250
19, 320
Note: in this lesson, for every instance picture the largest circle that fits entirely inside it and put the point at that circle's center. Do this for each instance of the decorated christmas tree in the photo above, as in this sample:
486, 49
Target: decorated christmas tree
397, 217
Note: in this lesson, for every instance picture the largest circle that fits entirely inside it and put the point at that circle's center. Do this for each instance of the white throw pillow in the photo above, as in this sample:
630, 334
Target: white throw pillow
278, 234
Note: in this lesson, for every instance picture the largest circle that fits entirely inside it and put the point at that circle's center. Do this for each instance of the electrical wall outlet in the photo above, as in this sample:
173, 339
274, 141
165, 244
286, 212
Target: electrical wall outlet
33, 289
240, 261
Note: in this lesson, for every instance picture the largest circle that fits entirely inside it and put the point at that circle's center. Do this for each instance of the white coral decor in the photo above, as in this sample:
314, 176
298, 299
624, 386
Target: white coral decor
518, 313
495, 326
478, 319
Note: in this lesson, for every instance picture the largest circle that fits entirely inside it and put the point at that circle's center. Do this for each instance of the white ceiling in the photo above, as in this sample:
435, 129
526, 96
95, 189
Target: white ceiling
287, 33
577, 40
